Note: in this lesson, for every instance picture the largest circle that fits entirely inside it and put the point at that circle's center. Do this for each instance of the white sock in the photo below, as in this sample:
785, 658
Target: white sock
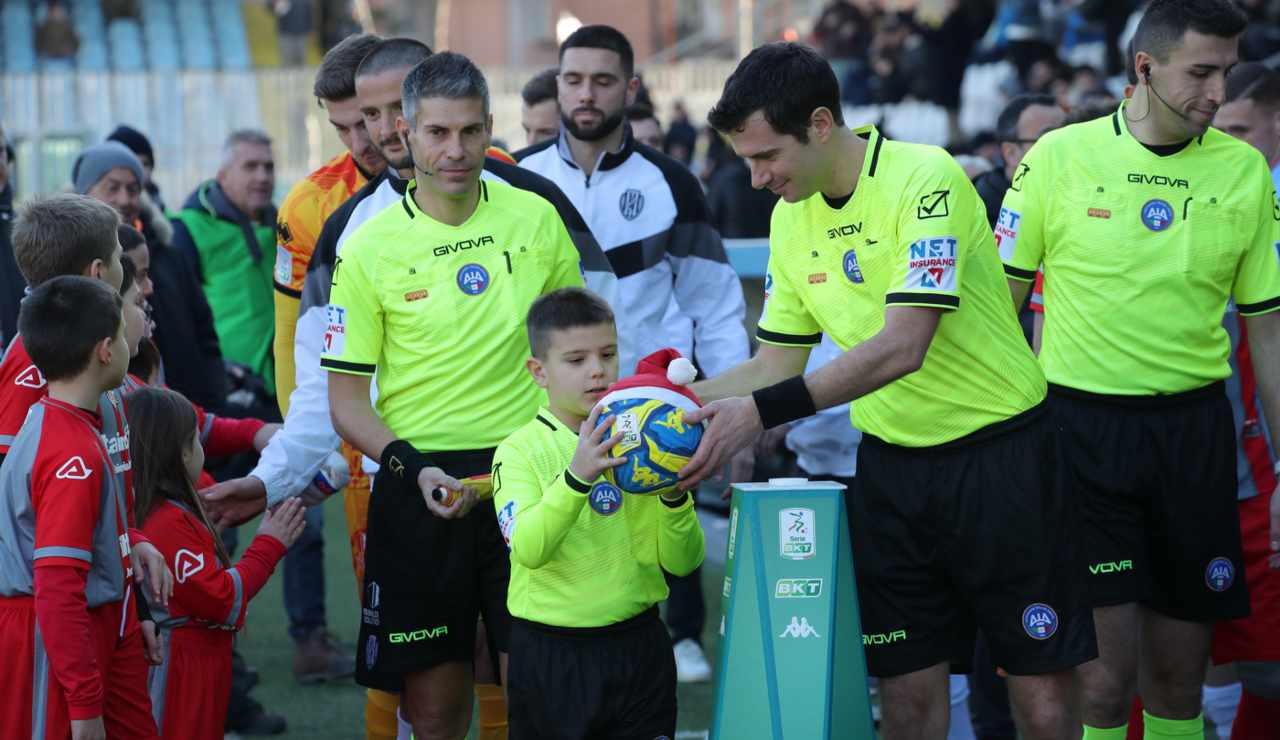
961, 723
404, 729
1220, 703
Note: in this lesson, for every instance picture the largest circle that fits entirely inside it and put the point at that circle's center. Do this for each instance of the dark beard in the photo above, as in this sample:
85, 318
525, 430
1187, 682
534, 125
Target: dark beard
606, 126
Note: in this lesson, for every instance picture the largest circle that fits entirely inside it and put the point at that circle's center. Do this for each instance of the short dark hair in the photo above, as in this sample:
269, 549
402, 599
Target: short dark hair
336, 77
639, 112
63, 319
130, 274
541, 87
397, 53
1165, 22
787, 81
602, 37
565, 308
1007, 123
130, 238
62, 234
1254, 81
447, 75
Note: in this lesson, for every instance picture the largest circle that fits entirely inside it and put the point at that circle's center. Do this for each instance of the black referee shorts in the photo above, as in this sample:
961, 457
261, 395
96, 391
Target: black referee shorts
975, 533
427, 579
1155, 478
606, 683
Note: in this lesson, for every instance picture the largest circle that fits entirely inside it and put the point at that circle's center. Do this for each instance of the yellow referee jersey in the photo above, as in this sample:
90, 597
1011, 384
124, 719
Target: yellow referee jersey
914, 233
438, 312
583, 558
1141, 253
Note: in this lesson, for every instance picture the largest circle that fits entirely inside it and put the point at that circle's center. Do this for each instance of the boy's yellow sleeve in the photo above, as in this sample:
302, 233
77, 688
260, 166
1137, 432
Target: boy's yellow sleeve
534, 516
681, 544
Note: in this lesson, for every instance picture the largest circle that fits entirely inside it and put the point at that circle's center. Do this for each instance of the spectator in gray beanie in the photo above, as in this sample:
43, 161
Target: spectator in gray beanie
109, 172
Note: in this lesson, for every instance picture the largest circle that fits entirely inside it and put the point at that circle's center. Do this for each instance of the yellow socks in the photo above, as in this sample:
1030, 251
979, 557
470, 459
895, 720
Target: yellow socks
493, 712
1158, 728
380, 715
1106, 733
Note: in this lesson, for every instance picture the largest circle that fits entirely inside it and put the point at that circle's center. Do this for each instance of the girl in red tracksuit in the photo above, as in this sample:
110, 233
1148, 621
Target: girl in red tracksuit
190, 689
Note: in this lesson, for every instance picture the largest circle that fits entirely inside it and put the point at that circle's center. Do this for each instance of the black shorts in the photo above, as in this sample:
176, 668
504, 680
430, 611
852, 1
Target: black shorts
606, 683
972, 534
1156, 481
428, 579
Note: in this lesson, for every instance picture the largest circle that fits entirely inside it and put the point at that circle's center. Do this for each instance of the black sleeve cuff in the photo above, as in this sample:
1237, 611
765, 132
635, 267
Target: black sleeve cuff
678, 502
404, 461
573, 482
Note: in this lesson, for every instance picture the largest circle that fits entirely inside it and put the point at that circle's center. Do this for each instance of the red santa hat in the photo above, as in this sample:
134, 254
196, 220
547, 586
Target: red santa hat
664, 376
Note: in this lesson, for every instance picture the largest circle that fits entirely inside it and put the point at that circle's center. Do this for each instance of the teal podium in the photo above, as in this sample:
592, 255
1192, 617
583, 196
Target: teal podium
791, 664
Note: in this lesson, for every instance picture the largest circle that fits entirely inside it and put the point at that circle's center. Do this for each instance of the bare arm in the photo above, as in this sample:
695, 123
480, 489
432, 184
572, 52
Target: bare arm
772, 364
353, 416
1264, 349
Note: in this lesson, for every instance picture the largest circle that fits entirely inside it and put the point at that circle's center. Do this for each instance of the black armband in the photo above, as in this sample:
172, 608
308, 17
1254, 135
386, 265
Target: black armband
784, 402
404, 461
677, 503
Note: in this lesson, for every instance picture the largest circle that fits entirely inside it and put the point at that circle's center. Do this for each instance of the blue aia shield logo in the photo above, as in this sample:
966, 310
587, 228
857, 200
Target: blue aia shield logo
1219, 575
1040, 621
851, 269
605, 499
1157, 215
473, 279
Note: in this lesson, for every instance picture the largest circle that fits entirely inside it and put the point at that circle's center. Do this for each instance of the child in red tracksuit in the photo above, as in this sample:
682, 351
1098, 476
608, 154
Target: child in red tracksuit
190, 689
69, 633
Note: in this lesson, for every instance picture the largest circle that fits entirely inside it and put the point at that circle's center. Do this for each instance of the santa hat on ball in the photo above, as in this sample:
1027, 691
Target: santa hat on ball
664, 376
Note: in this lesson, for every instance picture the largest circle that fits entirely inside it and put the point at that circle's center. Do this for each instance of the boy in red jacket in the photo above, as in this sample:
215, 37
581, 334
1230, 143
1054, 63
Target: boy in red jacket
65, 569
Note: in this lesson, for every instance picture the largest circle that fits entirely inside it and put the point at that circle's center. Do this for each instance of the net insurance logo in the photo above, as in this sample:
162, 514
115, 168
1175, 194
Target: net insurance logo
797, 539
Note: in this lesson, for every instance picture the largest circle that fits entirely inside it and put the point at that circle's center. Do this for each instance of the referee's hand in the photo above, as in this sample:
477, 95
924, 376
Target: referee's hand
733, 425
430, 479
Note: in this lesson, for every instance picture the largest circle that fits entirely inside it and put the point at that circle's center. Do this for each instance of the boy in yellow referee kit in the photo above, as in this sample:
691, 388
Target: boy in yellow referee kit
589, 657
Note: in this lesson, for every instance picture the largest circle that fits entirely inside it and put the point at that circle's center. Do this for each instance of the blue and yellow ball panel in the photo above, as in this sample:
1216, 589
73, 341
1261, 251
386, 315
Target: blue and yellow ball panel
657, 444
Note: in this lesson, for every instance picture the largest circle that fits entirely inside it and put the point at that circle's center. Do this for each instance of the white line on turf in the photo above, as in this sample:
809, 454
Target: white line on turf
691, 735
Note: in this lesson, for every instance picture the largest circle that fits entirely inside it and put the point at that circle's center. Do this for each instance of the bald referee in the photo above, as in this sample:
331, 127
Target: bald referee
1147, 223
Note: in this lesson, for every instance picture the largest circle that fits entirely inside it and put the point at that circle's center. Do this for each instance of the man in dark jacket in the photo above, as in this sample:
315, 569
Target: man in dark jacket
1023, 121
185, 336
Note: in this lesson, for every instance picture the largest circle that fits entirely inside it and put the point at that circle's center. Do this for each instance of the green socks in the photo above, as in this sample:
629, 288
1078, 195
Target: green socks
1106, 733
1158, 728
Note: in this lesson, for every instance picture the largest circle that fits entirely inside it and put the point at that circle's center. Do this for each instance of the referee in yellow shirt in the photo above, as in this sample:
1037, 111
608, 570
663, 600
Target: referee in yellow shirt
1147, 222
960, 519
431, 294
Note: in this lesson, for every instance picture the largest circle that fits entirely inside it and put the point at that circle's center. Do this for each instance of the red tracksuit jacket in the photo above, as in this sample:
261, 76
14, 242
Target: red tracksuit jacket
191, 688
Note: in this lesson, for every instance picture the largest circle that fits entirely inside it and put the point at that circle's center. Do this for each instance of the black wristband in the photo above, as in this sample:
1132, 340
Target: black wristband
404, 461
678, 502
784, 402
575, 483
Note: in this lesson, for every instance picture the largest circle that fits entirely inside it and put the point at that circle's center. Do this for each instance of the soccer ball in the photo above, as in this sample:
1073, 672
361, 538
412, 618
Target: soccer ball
657, 443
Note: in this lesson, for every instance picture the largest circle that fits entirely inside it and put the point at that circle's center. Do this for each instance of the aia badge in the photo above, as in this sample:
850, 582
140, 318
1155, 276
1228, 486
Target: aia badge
850, 265
1040, 621
605, 499
1157, 214
1219, 575
631, 203
473, 279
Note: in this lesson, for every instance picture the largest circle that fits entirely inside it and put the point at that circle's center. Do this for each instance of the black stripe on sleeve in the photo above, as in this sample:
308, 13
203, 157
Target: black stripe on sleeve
358, 368
798, 340
1251, 309
572, 481
925, 299
875, 155
1115, 122
286, 290
1017, 273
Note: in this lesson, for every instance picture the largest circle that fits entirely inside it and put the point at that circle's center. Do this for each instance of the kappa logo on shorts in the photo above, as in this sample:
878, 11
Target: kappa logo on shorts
605, 499
370, 651
1219, 575
1040, 621
73, 469
187, 564
30, 378
473, 279
1157, 214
